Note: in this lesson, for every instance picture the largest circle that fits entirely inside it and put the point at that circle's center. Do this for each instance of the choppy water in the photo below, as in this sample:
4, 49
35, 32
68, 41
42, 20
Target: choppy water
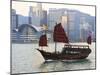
26, 59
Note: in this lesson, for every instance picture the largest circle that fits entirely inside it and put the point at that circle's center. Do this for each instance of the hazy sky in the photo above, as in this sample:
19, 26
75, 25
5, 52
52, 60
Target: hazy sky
23, 7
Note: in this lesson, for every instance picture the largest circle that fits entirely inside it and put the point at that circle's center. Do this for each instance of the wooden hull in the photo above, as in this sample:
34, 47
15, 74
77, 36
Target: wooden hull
67, 54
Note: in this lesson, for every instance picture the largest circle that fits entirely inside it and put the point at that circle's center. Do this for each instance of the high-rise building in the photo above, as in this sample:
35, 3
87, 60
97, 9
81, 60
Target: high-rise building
53, 17
31, 14
44, 18
36, 14
14, 24
14, 18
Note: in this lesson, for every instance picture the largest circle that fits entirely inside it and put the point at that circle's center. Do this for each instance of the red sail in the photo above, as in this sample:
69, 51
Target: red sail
43, 40
89, 40
59, 34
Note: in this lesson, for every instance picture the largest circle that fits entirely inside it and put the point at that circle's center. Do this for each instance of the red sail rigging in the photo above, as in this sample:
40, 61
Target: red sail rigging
89, 39
59, 34
43, 40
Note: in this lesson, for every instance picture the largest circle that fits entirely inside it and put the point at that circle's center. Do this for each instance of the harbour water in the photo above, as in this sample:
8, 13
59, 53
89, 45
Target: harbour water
26, 59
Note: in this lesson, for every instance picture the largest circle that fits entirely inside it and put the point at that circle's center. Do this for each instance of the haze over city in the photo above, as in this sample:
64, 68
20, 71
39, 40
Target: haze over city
23, 7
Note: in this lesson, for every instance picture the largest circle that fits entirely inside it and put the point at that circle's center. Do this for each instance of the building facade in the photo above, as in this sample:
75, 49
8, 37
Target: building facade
75, 26
37, 15
14, 18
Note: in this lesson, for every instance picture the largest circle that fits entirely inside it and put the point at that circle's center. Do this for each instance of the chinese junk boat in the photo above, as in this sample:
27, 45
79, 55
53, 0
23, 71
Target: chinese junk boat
69, 52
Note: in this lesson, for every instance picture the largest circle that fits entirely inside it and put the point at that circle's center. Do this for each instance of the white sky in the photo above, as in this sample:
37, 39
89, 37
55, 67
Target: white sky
23, 7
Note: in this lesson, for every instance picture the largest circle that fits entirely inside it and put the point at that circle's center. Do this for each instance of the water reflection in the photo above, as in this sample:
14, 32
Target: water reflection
49, 66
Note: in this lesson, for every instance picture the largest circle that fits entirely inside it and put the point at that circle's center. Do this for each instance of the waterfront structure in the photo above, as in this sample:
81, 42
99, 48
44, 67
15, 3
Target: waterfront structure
24, 27
26, 33
16, 21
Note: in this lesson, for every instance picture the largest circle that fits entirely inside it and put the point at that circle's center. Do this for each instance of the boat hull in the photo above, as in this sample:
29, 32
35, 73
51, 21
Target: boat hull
70, 54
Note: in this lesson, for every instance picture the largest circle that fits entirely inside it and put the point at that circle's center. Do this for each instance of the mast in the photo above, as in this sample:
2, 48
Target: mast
55, 47
67, 24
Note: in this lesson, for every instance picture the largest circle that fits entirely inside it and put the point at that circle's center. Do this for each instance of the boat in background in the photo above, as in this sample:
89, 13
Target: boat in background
69, 52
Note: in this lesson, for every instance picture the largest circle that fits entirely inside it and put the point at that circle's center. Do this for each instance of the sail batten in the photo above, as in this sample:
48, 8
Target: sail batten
59, 34
43, 40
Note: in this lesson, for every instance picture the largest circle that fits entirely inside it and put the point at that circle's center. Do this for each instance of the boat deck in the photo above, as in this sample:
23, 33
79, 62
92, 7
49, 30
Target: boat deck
76, 46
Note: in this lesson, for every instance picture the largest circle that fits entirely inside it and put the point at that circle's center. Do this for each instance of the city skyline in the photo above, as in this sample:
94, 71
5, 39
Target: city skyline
75, 23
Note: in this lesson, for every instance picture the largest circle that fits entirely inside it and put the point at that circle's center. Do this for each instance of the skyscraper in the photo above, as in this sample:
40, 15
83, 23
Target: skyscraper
44, 17
30, 14
35, 14
14, 19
